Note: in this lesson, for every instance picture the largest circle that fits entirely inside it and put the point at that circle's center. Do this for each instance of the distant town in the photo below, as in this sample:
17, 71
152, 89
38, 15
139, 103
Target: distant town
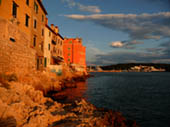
131, 67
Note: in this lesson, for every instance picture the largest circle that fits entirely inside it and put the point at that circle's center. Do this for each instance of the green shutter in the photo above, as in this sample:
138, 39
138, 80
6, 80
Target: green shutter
45, 62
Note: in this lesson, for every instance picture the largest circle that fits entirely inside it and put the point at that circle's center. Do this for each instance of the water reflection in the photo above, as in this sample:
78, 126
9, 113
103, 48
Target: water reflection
71, 94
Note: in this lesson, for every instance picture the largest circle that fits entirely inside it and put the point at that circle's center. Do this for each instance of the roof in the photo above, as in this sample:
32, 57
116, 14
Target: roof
57, 34
60, 36
42, 6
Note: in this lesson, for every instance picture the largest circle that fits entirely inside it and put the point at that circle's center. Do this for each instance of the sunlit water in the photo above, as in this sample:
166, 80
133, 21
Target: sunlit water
144, 97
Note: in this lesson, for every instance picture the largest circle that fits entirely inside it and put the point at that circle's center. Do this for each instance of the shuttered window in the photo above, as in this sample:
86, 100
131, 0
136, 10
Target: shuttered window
14, 9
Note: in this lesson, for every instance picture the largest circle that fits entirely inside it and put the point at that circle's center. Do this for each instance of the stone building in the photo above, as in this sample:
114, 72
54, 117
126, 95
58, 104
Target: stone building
47, 46
75, 53
15, 52
53, 48
56, 46
50, 49
29, 16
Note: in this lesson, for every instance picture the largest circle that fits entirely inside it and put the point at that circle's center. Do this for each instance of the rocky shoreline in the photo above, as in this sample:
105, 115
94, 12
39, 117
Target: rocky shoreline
24, 105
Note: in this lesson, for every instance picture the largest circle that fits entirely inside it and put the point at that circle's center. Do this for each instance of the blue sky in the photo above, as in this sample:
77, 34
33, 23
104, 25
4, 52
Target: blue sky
116, 31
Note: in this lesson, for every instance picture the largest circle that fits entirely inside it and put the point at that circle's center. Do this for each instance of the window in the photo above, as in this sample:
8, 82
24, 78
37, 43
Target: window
34, 41
35, 7
27, 20
0, 2
45, 62
69, 59
12, 39
42, 32
14, 9
42, 18
68, 48
70, 42
27, 2
48, 46
42, 46
49, 33
68, 54
40, 61
35, 23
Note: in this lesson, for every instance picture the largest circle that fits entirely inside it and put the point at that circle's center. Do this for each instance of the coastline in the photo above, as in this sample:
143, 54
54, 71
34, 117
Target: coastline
25, 105
125, 71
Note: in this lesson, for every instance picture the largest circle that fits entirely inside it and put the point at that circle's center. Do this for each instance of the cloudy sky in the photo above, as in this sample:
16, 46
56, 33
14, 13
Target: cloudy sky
116, 31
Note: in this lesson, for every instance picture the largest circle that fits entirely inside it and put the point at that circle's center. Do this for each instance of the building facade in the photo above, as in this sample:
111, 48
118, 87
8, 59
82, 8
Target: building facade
29, 16
47, 46
75, 53
53, 48
56, 45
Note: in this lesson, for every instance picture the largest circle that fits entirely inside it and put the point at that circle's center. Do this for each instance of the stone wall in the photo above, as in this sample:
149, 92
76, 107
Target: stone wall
15, 52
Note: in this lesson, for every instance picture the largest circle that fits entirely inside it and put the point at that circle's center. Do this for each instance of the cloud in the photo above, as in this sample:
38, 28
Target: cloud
129, 57
158, 50
125, 44
92, 53
139, 27
93, 9
160, 54
166, 46
81, 7
117, 44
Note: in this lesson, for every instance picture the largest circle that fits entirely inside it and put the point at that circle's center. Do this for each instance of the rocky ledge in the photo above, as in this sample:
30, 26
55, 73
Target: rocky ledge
23, 106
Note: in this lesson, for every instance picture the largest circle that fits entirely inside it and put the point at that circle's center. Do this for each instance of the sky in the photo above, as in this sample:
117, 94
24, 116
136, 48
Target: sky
115, 31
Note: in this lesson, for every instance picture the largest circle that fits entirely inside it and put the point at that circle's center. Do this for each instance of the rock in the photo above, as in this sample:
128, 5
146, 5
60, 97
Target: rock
23, 105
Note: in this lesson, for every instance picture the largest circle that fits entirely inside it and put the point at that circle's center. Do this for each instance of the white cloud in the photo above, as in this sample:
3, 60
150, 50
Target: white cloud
125, 44
139, 27
117, 44
81, 7
160, 54
94, 9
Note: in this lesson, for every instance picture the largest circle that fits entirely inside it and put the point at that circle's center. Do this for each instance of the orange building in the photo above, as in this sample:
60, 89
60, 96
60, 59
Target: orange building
75, 53
29, 16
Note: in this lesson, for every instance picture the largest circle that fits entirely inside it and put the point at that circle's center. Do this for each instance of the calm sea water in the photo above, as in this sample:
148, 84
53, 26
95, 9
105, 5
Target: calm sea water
144, 97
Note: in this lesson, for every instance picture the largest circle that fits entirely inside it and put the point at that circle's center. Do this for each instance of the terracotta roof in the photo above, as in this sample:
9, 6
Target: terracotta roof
42, 6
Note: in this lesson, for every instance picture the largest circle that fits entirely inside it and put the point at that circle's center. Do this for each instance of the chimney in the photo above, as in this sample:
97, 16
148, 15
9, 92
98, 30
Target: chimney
78, 39
56, 29
52, 26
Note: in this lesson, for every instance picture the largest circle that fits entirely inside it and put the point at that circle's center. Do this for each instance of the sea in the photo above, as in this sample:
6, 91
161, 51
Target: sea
140, 96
